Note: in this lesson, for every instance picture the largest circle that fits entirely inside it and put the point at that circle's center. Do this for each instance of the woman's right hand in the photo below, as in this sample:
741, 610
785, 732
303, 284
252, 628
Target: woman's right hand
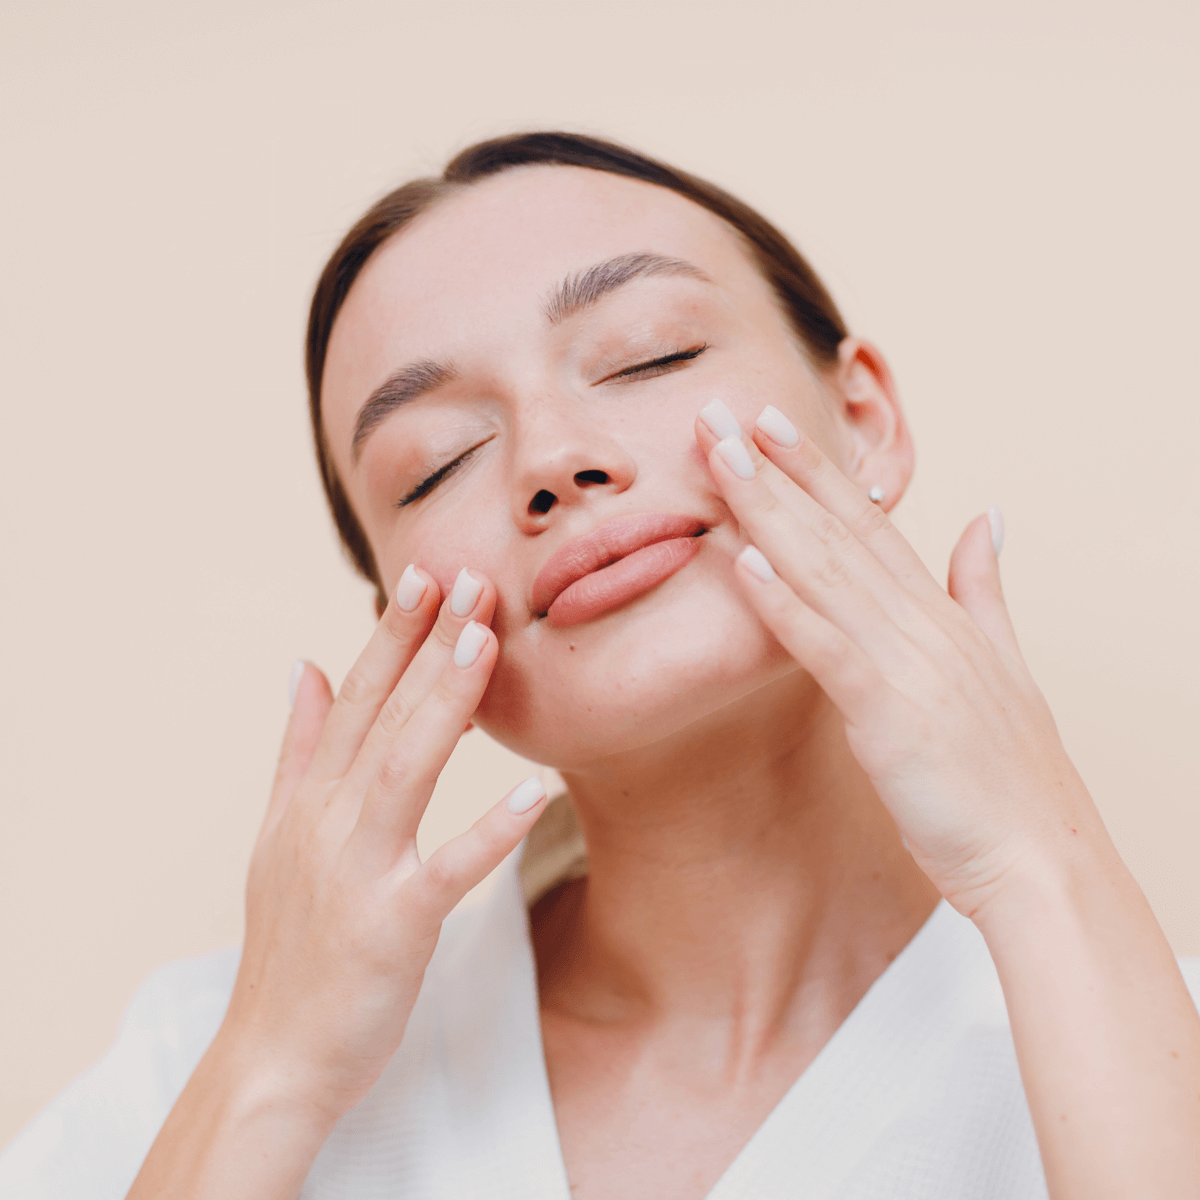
341, 915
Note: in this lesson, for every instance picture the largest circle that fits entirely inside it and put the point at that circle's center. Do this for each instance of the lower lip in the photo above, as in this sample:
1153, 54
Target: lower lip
621, 581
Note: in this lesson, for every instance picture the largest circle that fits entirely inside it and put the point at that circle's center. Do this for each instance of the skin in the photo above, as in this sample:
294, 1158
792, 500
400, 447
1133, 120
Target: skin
743, 754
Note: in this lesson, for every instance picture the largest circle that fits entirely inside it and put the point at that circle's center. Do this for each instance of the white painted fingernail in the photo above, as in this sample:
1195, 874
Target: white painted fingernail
525, 795
777, 427
470, 642
755, 561
996, 521
720, 420
466, 593
736, 456
410, 589
294, 677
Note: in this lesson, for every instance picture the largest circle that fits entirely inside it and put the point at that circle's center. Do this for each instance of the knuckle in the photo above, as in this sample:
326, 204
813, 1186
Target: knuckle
873, 520
395, 714
355, 690
830, 573
446, 630
396, 629
448, 690
765, 503
394, 772
830, 530
440, 875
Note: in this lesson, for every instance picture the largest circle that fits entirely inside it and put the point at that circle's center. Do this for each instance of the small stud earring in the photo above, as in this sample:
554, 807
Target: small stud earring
876, 494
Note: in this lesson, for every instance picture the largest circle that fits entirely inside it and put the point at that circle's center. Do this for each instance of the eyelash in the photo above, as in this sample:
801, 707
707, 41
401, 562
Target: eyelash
658, 366
646, 370
429, 483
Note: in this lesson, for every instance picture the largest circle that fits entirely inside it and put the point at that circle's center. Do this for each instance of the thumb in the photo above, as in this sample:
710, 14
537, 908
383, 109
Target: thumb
975, 580
312, 698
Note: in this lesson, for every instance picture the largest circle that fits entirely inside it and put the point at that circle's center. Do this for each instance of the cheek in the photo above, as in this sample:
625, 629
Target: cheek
442, 542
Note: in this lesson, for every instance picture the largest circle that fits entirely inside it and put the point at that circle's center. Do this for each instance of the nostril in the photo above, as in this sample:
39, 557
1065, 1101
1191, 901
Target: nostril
583, 478
543, 502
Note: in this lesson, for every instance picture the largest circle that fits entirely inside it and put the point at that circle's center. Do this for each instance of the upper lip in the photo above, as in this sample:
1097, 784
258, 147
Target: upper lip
603, 545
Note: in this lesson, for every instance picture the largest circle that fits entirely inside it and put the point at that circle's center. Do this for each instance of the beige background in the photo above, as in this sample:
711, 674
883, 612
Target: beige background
1004, 197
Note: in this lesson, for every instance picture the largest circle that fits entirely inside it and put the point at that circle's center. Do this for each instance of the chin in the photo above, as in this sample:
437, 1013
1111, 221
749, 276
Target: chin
633, 677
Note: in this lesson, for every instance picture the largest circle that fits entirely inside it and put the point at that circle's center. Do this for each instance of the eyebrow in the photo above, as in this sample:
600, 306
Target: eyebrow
583, 289
398, 388
575, 293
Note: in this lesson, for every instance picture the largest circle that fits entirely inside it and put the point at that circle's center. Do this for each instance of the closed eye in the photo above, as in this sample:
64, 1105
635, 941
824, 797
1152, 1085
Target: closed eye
431, 481
656, 366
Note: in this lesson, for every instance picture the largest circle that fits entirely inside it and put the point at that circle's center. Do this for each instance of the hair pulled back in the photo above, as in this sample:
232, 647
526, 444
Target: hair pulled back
801, 294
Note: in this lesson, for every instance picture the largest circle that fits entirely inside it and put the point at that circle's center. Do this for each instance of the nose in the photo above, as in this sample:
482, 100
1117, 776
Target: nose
562, 461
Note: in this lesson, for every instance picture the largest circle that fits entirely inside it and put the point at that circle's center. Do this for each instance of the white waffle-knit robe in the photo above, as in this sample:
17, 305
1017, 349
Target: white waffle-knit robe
916, 1097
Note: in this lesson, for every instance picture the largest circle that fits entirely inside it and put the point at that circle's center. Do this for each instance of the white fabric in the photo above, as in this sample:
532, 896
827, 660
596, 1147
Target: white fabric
916, 1097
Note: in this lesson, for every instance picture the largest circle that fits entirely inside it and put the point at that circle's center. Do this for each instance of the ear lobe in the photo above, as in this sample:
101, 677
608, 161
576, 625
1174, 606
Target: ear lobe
881, 448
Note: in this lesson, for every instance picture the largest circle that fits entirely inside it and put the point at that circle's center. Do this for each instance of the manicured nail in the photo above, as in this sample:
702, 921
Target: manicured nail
525, 795
410, 589
736, 456
996, 521
755, 561
720, 420
294, 677
466, 593
777, 427
470, 642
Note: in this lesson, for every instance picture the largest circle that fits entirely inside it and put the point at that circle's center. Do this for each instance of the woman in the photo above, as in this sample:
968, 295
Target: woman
621, 476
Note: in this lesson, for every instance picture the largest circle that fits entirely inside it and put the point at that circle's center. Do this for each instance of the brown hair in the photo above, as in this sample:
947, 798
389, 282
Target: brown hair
808, 306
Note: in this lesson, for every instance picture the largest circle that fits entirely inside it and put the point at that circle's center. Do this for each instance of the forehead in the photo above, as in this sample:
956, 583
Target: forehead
480, 264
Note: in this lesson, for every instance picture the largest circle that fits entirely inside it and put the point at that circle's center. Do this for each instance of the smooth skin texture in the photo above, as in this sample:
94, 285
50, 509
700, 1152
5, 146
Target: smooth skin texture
744, 755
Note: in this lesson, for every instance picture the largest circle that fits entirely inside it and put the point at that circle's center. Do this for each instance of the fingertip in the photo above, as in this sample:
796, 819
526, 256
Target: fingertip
756, 562
733, 453
776, 428
996, 525
526, 796
720, 421
471, 594
414, 589
311, 699
473, 639
973, 562
295, 675
307, 682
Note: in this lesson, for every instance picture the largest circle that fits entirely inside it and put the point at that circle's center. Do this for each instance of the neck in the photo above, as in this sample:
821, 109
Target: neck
746, 871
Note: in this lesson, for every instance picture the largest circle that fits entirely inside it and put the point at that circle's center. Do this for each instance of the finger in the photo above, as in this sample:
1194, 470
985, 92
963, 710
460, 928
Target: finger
831, 529
819, 569
312, 699
404, 780
923, 612
368, 683
807, 465
842, 670
472, 599
975, 583
716, 421
467, 860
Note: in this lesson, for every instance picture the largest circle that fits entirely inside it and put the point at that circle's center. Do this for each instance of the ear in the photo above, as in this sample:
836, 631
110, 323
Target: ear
881, 450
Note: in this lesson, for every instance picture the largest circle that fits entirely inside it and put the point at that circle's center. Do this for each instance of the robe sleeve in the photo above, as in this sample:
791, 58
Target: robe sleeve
90, 1142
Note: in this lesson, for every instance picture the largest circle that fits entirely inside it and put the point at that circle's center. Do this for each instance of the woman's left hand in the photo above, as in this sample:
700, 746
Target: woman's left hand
941, 710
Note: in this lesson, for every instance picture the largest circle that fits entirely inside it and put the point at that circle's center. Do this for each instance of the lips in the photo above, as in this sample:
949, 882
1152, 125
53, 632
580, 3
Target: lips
613, 563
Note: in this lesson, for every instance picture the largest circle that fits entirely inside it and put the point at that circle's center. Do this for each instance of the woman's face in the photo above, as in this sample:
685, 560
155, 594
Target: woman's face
521, 403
